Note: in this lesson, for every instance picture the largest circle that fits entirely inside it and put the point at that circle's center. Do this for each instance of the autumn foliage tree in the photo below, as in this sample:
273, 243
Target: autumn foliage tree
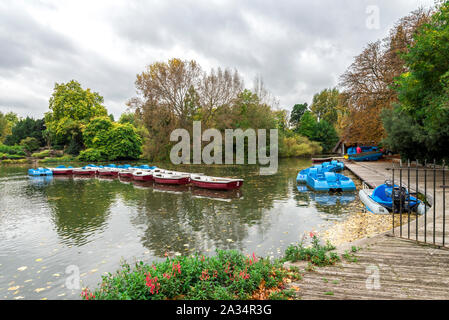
369, 82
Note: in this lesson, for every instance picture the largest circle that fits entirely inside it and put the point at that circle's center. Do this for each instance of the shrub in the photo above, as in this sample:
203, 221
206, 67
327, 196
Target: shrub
42, 154
18, 150
298, 146
228, 275
93, 155
113, 141
18, 161
316, 254
30, 144
57, 159
14, 156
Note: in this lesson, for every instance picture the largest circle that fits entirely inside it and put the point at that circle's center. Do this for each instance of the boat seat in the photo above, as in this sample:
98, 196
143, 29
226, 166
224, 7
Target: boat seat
330, 176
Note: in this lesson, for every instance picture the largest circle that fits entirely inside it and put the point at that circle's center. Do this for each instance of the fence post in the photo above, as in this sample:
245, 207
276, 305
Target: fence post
417, 215
392, 211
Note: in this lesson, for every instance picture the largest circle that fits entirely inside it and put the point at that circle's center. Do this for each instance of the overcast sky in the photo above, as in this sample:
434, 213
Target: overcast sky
298, 47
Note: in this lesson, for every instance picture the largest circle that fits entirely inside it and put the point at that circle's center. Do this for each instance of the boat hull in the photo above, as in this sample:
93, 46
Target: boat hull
142, 178
108, 173
330, 181
84, 172
366, 156
177, 181
62, 171
125, 175
232, 185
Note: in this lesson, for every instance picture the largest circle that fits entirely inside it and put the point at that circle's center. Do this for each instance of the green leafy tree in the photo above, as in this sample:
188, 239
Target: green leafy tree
30, 144
25, 128
325, 104
107, 140
7, 122
307, 125
297, 113
325, 133
128, 117
71, 108
421, 117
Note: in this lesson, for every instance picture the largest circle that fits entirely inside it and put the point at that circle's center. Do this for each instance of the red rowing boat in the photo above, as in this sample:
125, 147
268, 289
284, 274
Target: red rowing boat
125, 173
87, 171
142, 175
61, 171
170, 178
112, 172
216, 183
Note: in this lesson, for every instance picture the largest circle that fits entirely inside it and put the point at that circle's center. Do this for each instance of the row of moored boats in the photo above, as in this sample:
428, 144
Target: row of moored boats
144, 173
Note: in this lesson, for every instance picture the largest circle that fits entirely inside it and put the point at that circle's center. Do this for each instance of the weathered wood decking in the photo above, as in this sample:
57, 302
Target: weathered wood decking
404, 269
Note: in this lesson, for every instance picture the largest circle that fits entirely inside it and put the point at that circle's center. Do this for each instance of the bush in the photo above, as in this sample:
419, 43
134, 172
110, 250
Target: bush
298, 146
93, 155
228, 275
14, 161
106, 140
18, 150
14, 156
30, 144
57, 159
317, 254
42, 154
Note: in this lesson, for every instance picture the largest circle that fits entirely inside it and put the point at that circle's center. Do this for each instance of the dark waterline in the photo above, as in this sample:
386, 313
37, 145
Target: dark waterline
90, 224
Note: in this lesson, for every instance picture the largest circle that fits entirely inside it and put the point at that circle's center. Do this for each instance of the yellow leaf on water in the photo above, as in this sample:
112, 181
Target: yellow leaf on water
39, 290
22, 268
39, 260
13, 288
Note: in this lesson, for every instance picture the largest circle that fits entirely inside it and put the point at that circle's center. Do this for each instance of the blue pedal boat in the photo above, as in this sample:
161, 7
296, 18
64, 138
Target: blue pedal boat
329, 181
40, 172
333, 166
386, 196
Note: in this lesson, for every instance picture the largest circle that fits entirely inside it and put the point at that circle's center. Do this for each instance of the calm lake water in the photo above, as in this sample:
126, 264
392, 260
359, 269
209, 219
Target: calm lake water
52, 227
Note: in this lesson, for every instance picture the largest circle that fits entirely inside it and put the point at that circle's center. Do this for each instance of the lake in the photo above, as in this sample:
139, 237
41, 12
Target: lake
53, 229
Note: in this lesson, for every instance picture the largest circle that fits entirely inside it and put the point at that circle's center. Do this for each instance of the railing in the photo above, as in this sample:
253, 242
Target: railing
428, 184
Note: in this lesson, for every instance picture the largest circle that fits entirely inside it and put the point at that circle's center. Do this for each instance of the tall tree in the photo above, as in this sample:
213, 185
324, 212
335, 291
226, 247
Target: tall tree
324, 105
7, 122
297, 113
369, 81
71, 108
423, 94
27, 127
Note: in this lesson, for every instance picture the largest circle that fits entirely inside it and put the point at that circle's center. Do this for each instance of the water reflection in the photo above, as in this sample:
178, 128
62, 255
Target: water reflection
79, 207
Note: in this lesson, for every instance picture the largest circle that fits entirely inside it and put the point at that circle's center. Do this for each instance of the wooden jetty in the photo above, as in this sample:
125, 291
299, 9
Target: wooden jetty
388, 266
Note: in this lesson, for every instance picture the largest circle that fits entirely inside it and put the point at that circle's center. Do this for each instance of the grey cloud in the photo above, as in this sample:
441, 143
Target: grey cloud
298, 47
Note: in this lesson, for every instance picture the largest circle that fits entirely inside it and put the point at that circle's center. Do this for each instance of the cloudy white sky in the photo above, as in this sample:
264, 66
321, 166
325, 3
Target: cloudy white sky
298, 47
